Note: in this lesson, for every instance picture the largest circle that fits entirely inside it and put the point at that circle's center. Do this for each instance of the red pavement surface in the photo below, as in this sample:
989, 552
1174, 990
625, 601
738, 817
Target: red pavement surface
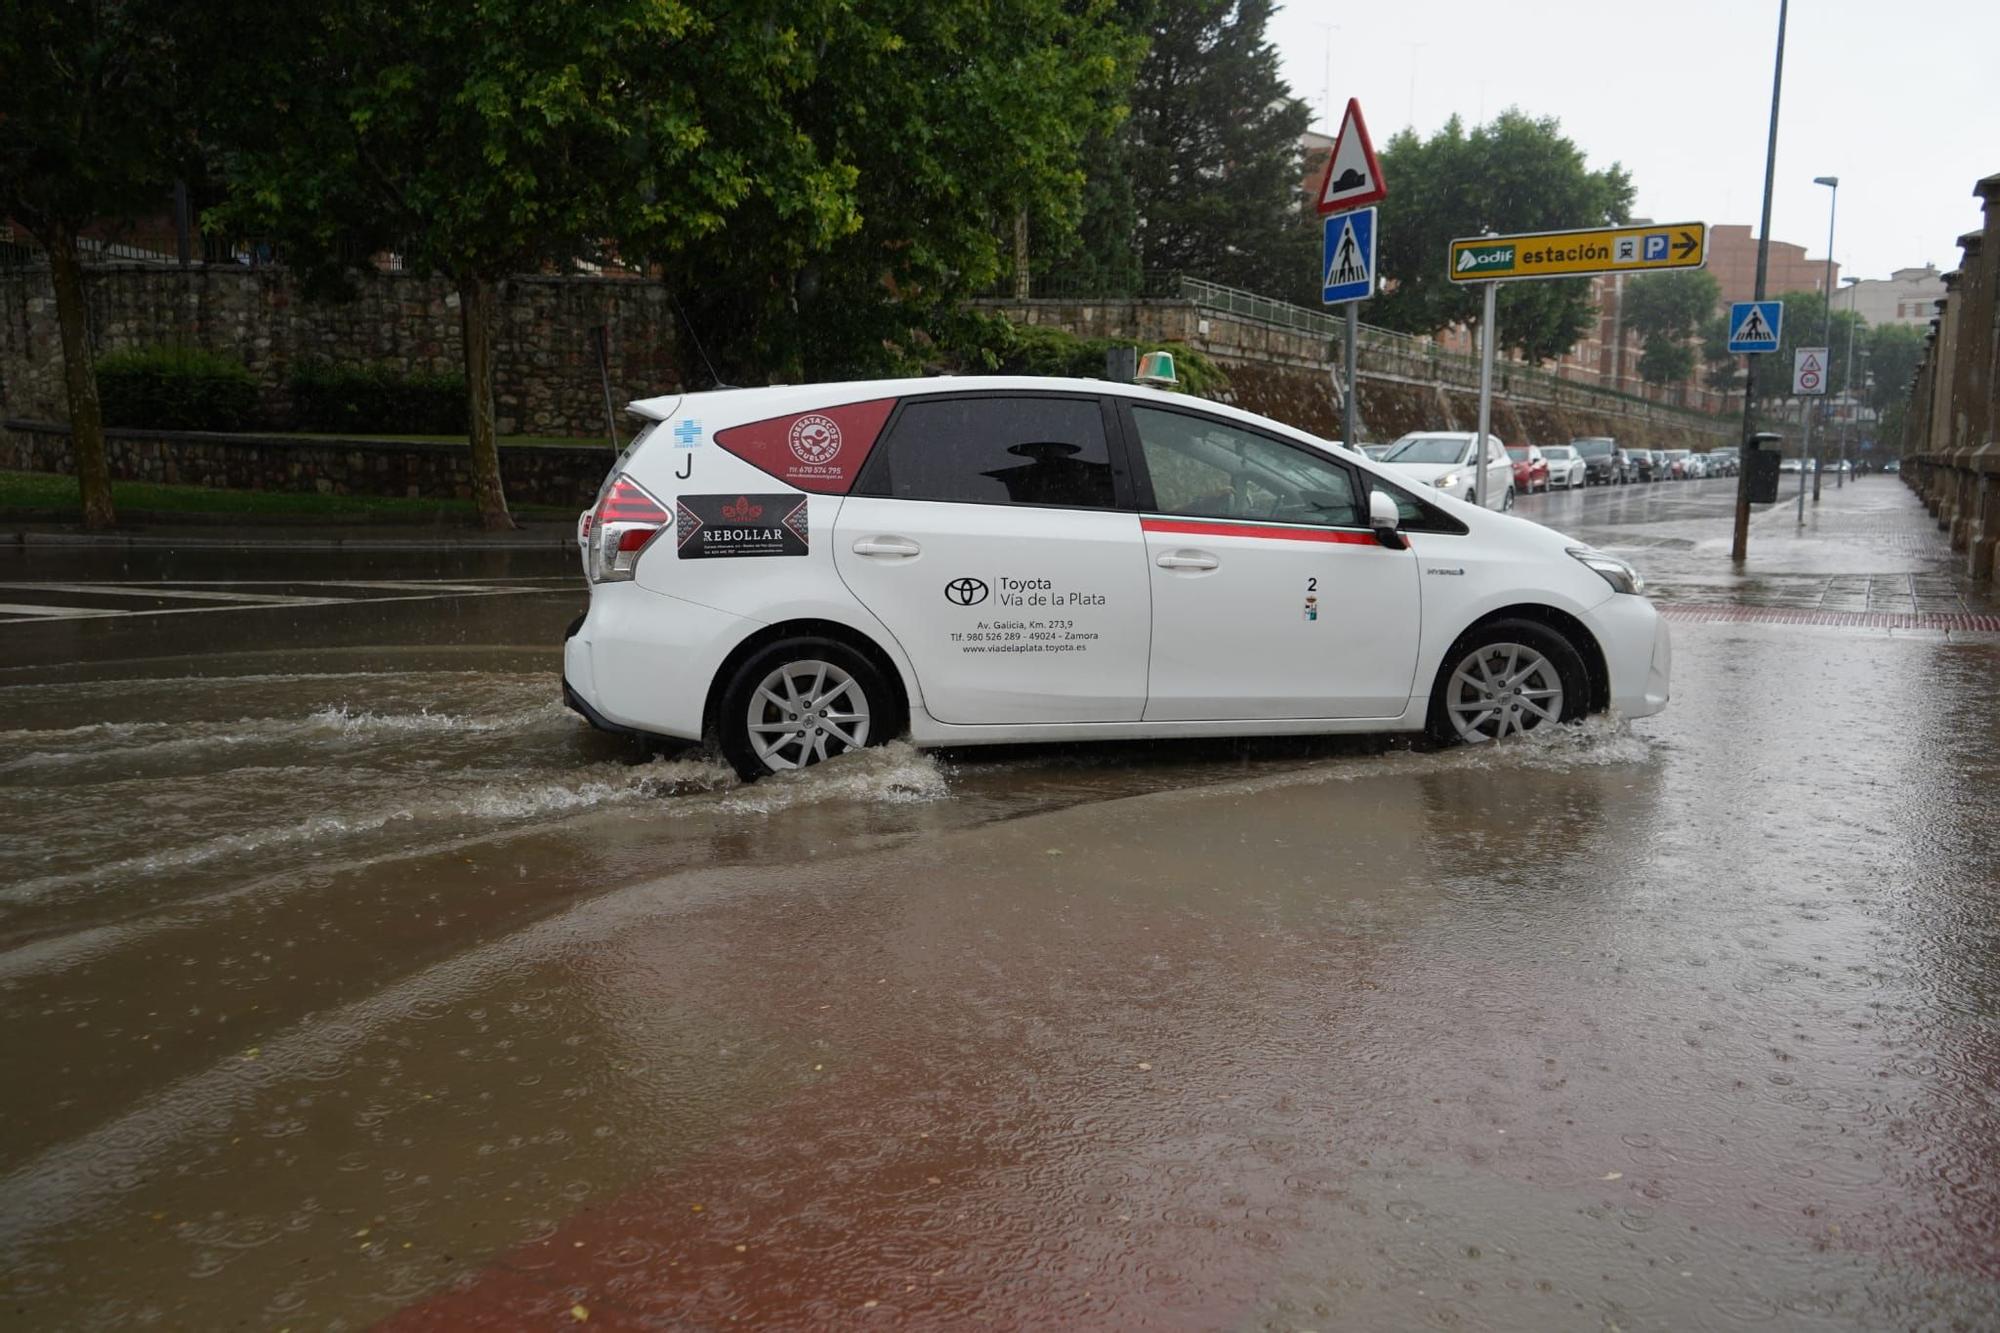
1785, 615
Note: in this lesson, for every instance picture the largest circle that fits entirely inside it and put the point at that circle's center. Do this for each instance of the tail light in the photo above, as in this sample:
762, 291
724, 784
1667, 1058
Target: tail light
624, 521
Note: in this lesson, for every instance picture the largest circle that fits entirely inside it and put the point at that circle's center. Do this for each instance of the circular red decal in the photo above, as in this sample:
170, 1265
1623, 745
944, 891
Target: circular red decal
815, 439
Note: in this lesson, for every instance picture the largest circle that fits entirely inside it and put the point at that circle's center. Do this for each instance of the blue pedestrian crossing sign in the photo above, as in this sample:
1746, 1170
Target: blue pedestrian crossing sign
1754, 325
1347, 257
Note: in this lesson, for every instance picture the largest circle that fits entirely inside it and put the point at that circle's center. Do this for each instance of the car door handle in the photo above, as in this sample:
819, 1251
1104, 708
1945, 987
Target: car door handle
1187, 560
886, 546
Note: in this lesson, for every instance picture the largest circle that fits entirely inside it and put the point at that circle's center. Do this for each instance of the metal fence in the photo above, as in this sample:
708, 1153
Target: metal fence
163, 251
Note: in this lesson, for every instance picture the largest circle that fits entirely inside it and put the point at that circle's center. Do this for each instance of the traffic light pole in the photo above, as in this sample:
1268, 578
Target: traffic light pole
1739, 546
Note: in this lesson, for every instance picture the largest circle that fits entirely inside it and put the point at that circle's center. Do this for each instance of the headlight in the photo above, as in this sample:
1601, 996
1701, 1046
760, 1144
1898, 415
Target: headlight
1621, 576
1446, 482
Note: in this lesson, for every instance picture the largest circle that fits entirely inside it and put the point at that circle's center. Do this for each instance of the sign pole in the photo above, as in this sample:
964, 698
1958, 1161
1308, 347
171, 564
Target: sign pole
1805, 459
1739, 545
1486, 341
1348, 425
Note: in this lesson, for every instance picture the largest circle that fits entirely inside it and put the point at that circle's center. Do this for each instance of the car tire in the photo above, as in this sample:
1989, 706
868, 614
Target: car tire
1467, 692
796, 702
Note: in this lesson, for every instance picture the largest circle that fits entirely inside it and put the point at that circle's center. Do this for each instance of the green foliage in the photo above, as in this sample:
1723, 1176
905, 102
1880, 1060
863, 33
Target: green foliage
1805, 326
1668, 310
1720, 366
176, 388
993, 345
937, 122
1517, 174
1894, 351
1215, 163
376, 399
87, 112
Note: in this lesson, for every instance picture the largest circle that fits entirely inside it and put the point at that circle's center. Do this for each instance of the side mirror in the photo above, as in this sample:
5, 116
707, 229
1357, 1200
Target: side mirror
1387, 520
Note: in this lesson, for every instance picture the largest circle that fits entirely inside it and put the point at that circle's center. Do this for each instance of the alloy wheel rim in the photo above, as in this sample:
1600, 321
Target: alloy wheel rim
1503, 689
805, 712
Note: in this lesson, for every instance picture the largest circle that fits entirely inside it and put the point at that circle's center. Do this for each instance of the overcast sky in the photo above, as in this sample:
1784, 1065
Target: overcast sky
1900, 101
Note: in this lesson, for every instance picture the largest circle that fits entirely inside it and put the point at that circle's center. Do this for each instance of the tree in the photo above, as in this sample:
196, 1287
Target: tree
1893, 353
1517, 174
1216, 163
1805, 326
944, 120
1720, 367
512, 136
1668, 311
88, 121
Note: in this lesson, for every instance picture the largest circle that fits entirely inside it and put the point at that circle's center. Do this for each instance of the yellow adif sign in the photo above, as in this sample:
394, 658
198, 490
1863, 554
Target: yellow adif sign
1573, 254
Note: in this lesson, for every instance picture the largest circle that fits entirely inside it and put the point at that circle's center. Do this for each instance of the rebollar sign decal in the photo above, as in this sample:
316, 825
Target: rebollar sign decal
710, 526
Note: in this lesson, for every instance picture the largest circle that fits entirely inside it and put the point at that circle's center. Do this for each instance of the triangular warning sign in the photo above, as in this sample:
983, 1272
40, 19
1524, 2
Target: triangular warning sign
1811, 363
1353, 177
1752, 329
1349, 263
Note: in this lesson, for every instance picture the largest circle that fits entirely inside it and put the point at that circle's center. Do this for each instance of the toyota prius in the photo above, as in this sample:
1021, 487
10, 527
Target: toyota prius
790, 573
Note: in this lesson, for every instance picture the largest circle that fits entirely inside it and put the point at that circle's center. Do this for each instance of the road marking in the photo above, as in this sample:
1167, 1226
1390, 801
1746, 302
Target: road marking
56, 612
401, 590
184, 594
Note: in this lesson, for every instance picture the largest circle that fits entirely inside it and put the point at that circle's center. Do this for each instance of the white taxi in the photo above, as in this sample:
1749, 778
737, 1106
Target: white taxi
790, 573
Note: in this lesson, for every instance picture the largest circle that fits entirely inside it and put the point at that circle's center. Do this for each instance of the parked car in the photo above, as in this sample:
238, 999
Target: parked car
1893, 467
1628, 466
1375, 451
1694, 467
1600, 457
1791, 465
1531, 470
1566, 467
803, 571
1642, 465
1677, 463
1443, 459
1729, 457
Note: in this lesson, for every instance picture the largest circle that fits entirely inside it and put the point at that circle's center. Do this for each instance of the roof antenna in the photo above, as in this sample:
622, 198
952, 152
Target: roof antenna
696, 339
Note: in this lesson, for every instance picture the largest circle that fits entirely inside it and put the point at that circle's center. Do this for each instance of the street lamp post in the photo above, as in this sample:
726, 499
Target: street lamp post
1832, 184
1847, 386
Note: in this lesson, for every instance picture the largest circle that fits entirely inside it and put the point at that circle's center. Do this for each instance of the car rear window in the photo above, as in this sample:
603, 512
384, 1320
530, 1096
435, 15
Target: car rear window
1028, 450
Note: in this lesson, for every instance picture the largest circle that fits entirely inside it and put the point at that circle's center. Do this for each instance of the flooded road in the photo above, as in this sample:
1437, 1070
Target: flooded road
349, 980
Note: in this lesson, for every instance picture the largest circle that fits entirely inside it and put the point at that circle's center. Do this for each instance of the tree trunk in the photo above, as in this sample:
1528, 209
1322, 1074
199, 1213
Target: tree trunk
86, 418
477, 298
1022, 278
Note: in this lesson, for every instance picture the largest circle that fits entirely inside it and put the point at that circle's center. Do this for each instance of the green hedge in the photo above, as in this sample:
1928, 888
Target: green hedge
376, 400
979, 343
175, 388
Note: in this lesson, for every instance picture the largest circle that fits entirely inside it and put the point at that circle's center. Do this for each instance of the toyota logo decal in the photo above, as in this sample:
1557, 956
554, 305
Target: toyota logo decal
965, 592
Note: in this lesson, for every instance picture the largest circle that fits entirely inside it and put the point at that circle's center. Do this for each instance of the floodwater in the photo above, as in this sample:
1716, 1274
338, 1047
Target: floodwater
347, 979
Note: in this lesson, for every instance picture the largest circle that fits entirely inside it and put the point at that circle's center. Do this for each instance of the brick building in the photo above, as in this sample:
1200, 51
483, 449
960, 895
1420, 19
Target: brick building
1732, 258
1909, 297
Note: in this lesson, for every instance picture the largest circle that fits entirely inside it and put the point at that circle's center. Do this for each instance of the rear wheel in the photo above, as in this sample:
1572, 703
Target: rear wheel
1507, 678
799, 701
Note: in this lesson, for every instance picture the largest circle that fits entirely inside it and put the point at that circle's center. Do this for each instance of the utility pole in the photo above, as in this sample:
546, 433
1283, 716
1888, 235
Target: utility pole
1739, 545
1847, 387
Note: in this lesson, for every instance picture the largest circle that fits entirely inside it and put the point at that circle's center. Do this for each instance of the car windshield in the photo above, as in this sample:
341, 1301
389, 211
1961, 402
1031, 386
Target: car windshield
1593, 448
1561, 453
1677, 453
1517, 453
1429, 449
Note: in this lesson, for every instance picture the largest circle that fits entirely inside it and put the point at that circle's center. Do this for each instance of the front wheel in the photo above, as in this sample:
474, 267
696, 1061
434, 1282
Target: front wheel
1507, 678
799, 701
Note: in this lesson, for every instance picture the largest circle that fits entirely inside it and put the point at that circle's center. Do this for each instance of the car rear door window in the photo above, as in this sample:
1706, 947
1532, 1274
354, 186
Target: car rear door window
1208, 469
1027, 450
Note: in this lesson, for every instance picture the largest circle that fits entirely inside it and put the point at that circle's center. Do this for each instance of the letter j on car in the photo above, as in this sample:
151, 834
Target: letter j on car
988, 560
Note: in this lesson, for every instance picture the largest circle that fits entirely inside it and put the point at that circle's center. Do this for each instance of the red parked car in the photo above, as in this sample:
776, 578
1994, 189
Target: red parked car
1531, 470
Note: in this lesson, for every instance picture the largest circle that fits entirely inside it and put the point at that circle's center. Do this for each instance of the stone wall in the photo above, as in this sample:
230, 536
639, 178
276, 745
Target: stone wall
563, 475
1951, 444
547, 379
1292, 375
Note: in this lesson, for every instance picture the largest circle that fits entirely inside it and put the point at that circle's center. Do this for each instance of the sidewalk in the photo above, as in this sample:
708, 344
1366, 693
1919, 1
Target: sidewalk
1867, 547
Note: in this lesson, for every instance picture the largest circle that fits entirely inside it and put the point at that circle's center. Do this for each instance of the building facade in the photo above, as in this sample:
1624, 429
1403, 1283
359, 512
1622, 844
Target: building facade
1732, 258
1909, 297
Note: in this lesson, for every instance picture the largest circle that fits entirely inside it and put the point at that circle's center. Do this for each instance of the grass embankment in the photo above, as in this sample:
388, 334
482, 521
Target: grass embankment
54, 495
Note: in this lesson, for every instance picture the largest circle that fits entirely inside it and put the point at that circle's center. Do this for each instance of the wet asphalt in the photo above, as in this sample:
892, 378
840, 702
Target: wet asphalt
348, 980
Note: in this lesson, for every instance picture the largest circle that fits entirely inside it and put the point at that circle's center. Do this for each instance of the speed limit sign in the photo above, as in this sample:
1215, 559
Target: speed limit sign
1809, 370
